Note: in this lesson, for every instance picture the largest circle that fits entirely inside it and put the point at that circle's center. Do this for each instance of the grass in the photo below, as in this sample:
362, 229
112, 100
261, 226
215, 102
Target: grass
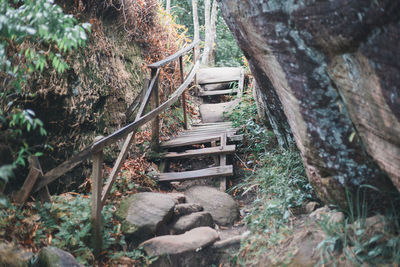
276, 179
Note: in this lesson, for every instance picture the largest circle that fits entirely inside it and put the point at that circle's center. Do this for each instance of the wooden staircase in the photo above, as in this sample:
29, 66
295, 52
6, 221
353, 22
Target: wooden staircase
208, 139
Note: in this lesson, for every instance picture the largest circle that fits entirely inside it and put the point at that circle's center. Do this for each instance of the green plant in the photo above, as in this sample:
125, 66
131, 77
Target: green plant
68, 221
33, 35
361, 239
276, 178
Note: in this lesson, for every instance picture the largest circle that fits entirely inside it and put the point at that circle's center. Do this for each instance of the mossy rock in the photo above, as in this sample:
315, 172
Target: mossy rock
54, 257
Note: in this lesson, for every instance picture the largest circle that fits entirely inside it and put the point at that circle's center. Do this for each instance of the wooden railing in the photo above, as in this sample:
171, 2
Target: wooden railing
99, 194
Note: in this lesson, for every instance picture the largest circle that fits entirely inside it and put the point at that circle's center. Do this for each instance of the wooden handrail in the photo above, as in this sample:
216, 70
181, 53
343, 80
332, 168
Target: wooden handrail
99, 194
121, 133
87, 152
167, 60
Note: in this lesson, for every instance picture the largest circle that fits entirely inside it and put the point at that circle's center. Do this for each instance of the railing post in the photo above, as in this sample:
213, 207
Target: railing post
194, 62
155, 127
97, 184
183, 95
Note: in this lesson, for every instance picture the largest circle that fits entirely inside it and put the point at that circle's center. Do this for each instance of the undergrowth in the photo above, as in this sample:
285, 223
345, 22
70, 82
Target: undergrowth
360, 238
275, 181
275, 178
65, 224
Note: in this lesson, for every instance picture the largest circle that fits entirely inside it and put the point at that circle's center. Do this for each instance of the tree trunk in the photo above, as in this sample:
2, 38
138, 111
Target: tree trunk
338, 85
213, 33
207, 32
196, 25
168, 7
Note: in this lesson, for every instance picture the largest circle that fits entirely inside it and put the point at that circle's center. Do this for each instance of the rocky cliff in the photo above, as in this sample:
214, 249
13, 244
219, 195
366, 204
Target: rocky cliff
332, 69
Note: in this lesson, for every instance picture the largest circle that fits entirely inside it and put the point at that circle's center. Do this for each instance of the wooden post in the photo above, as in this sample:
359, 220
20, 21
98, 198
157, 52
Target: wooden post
183, 95
97, 184
222, 162
155, 128
35, 171
194, 62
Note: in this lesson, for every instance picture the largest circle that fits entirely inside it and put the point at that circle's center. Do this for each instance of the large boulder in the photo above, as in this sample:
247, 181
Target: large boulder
181, 250
142, 215
332, 67
54, 257
222, 207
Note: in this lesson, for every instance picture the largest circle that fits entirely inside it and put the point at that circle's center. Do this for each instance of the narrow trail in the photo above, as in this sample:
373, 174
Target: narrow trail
205, 227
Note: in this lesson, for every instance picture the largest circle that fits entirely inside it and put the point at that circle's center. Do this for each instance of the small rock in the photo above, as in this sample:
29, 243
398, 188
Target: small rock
222, 207
143, 214
311, 206
188, 222
325, 212
178, 197
187, 208
54, 257
181, 250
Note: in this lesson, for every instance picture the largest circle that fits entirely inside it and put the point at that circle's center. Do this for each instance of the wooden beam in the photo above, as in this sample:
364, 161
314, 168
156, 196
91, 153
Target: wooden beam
167, 60
208, 151
185, 120
97, 184
218, 92
63, 168
147, 95
222, 162
35, 171
190, 175
155, 126
121, 133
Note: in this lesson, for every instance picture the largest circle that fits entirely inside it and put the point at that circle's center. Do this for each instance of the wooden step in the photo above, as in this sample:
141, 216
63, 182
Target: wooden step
190, 175
197, 139
208, 151
218, 75
218, 92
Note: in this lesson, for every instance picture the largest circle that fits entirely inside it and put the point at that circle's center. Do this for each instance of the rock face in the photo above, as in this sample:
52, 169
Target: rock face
143, 214
219, 204
181, 250
54, 257
333, 68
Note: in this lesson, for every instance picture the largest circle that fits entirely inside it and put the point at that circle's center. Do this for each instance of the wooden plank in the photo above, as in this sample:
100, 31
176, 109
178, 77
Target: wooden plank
153, 84
222, 162
218, 75
215, 86
200, 152
34, 172
97, 184
63, 168
117, 166
190, 175
235, 138
218, 92
187, 141
167, 60
211, 124
121, 133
